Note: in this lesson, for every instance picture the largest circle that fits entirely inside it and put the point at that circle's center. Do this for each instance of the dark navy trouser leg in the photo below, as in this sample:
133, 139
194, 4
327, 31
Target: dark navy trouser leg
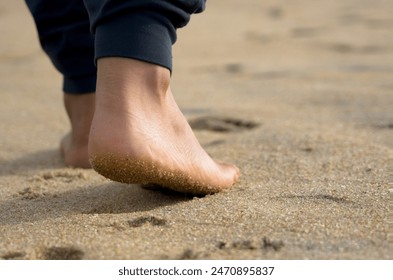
64, 33
139, 29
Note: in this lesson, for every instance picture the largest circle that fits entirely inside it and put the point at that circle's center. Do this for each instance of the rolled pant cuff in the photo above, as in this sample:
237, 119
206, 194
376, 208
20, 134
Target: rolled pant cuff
146, 36
80, 85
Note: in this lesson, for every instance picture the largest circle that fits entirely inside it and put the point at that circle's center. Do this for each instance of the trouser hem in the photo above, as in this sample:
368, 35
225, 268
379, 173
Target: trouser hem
80, 85
146, 36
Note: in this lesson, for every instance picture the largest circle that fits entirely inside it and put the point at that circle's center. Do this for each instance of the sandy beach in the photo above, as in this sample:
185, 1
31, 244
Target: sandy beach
298, 94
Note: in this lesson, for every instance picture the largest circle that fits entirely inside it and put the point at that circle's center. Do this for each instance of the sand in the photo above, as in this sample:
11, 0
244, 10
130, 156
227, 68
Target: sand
298, 94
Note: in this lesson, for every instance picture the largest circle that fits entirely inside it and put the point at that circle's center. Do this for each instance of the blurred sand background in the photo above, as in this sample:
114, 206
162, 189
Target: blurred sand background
298, 93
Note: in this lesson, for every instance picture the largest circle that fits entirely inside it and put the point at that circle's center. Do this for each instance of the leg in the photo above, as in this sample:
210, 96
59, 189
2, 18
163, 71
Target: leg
138, 133
73, 146
64, 33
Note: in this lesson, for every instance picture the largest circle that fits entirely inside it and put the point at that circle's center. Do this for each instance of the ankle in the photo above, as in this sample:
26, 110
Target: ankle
125, 82
80, 111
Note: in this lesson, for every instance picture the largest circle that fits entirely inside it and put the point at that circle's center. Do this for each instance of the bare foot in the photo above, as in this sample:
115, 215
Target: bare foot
80, 110
140, 136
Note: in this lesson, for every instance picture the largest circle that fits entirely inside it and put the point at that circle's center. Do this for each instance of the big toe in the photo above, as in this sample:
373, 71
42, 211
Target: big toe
231, 173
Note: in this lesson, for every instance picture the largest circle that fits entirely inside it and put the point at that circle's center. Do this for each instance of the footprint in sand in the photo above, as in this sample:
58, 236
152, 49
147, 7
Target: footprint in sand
372, 23
346, 48
221, 124
31, 193
238, 245
384, 126
190, 254
275, 12
234, 68
38, 184
265, 244
61, 253
13, 256
305, 32
139, 222
65, 176
150, 220
268, 244
259, 38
